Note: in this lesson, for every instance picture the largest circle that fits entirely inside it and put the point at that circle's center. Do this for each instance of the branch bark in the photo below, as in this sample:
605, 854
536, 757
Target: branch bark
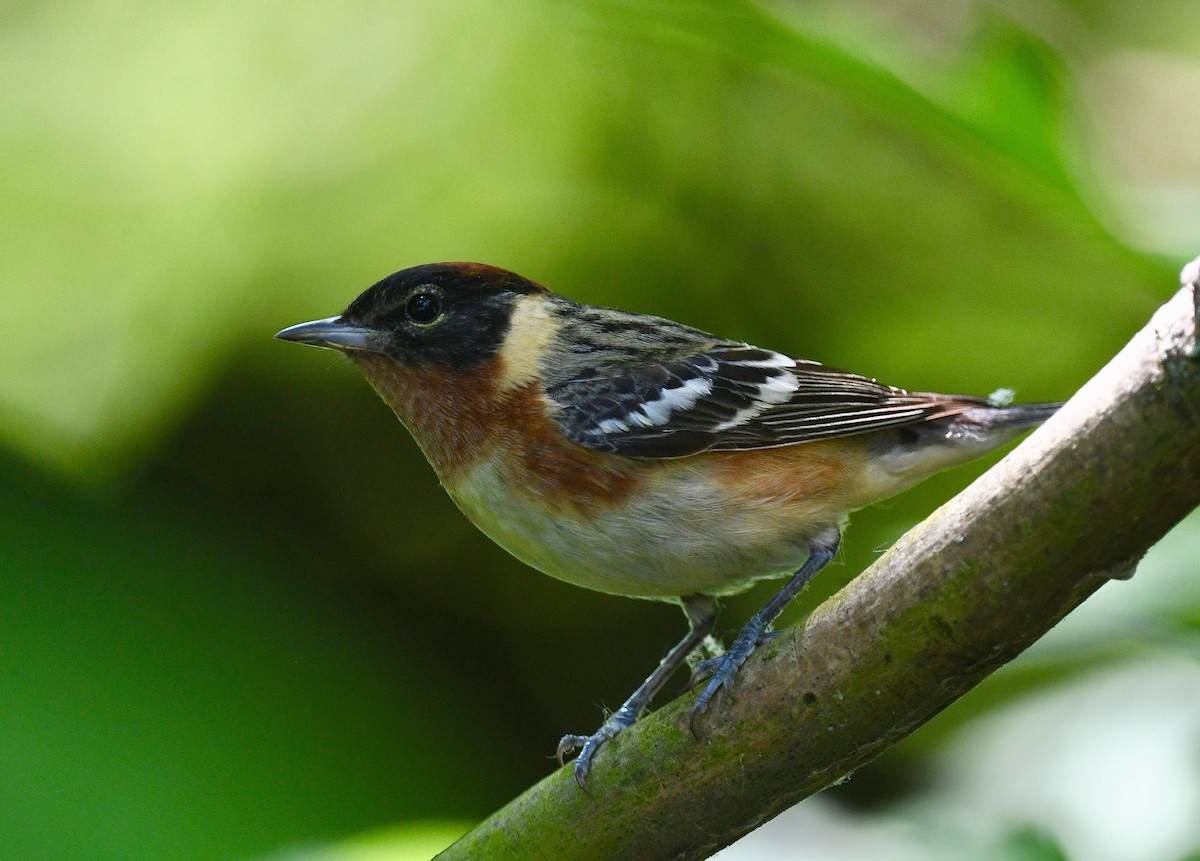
1078, 503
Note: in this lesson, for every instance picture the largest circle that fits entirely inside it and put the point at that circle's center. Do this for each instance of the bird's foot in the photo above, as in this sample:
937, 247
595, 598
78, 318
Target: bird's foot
588, 745
720, 670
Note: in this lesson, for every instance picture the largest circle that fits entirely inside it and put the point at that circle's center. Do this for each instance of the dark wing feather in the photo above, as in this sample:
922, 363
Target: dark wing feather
734, 398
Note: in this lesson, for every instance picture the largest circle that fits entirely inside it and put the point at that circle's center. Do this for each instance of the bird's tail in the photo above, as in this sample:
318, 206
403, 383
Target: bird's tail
1013, 417
968, 428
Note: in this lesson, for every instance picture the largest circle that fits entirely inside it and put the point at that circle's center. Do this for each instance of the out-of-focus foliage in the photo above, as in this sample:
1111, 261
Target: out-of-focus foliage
410, 842
239, 616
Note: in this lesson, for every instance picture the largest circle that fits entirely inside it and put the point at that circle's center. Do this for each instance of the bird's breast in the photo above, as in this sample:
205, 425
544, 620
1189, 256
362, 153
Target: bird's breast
461, 421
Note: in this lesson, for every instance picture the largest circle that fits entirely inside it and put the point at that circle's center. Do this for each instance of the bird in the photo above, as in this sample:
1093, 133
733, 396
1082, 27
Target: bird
637, 456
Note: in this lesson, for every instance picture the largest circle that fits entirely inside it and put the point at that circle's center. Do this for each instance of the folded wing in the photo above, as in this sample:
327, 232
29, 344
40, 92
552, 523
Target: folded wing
732, 398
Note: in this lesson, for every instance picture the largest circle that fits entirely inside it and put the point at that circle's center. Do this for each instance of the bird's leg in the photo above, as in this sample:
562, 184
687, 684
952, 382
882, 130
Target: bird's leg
720, 670
701, 611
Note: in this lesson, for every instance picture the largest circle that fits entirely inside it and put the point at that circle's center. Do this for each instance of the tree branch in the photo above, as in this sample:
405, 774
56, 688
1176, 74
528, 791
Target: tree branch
1078, 503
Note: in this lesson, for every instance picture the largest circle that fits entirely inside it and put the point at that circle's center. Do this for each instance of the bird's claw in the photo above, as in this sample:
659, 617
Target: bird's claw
720, 678
587, 745
721, 670
704, 670
569, 744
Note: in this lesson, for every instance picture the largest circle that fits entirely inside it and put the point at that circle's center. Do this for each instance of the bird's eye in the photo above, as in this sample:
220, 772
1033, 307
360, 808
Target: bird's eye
423, 307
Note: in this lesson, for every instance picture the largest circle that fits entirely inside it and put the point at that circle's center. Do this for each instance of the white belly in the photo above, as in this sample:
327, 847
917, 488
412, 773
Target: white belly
679, 536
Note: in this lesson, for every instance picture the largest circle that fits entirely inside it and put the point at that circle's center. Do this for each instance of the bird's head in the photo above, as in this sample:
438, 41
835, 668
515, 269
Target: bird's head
435, 342
452, 315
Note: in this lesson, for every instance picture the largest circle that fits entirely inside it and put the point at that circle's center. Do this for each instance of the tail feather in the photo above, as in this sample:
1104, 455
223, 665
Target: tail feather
903, 459
1013, 417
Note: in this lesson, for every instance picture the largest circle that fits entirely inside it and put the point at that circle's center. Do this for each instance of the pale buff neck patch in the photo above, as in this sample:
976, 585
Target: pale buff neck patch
531, 329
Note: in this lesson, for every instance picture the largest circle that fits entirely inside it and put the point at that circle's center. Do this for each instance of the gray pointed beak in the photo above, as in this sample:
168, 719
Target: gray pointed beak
330, 332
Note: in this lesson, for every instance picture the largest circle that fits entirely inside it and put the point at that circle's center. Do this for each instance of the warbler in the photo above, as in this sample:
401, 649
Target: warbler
638, 456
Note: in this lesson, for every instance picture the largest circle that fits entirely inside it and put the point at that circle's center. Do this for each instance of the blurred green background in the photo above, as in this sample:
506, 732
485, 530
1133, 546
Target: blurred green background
239, 619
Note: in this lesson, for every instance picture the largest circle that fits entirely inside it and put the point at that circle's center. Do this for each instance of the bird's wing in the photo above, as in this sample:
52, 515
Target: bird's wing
731, 398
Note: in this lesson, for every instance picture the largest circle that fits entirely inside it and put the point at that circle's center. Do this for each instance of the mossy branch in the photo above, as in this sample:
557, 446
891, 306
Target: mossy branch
1078, 503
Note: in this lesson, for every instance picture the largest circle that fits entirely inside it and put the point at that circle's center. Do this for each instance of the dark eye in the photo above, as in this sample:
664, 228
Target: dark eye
423, 307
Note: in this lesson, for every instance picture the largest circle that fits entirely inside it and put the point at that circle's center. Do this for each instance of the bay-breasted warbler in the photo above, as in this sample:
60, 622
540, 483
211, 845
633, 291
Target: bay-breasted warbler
638, 456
